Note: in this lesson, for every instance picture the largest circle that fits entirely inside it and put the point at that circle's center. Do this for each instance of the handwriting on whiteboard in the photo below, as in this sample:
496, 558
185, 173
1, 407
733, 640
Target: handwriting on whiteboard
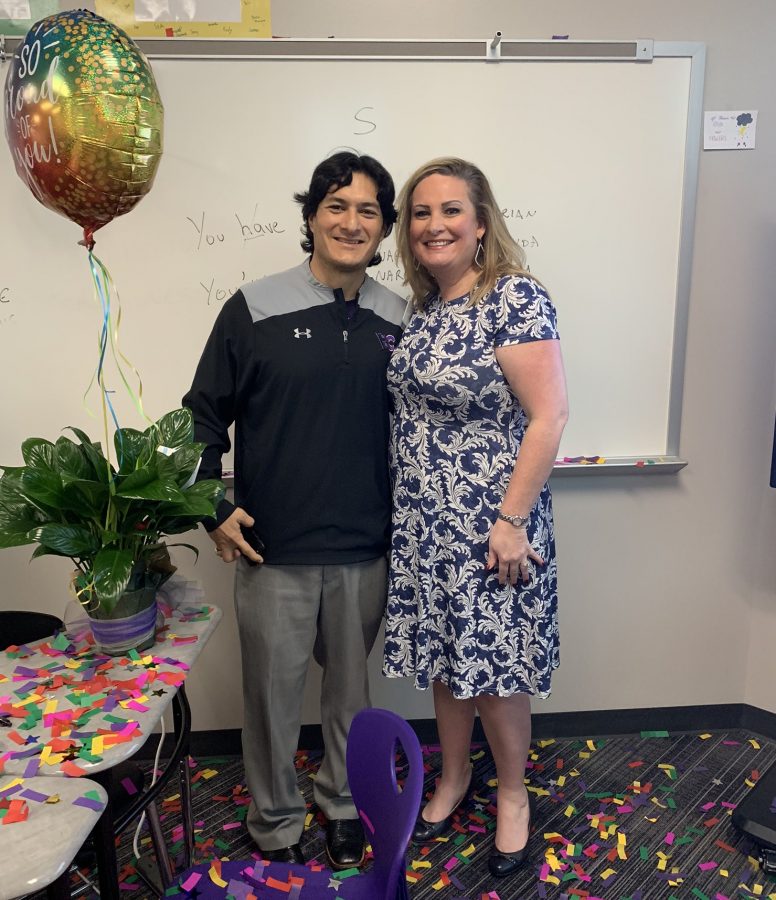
209, 232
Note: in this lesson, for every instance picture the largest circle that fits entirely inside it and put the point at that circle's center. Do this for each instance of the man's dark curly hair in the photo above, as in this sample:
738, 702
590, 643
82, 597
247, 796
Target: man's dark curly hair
335, 172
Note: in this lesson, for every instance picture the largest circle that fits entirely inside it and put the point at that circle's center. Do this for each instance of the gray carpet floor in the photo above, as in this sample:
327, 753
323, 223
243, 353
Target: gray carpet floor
644, 817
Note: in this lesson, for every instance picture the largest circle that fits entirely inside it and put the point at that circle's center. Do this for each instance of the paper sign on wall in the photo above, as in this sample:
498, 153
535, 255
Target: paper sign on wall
732, 130
189, 18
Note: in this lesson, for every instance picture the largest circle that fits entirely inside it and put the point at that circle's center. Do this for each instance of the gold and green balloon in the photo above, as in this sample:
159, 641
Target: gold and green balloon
83, 118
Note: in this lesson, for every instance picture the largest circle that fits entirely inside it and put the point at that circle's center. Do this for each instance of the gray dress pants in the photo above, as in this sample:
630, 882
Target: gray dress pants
285, 614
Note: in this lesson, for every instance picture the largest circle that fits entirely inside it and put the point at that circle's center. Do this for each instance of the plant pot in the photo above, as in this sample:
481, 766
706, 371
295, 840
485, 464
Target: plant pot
134, 631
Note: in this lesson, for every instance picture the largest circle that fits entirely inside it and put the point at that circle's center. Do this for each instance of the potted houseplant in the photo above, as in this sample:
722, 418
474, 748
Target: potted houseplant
70, 500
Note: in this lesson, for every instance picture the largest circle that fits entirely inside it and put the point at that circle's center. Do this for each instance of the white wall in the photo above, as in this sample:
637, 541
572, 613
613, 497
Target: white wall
668, 584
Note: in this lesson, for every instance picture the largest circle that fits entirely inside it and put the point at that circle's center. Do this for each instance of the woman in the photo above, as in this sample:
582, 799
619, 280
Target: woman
480, 404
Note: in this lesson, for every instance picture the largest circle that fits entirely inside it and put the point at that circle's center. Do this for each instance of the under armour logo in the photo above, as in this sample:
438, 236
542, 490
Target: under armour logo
387, 341
299, 333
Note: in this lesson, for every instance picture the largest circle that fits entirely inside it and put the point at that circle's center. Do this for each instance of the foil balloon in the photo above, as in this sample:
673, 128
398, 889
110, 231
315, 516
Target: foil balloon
83, 118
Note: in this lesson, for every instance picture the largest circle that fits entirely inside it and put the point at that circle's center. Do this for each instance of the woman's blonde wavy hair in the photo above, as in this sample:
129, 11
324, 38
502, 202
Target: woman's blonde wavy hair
501, 254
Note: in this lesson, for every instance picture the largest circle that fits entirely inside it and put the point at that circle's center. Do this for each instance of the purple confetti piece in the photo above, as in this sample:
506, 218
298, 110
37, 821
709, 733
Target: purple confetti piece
31, 769
238, 889
24, 672
10, 790
35, 796
88, 803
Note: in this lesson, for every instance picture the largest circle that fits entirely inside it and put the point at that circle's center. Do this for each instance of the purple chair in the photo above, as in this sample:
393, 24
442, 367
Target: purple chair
387, 811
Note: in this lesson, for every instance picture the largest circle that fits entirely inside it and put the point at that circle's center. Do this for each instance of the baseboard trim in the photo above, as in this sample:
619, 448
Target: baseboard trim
587, 723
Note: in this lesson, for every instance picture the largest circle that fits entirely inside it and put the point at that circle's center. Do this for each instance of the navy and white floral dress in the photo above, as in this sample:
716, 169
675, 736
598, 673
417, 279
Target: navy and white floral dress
456, 432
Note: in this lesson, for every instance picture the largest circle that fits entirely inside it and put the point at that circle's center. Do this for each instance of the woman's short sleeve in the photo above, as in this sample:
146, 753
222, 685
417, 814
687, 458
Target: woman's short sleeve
525, 312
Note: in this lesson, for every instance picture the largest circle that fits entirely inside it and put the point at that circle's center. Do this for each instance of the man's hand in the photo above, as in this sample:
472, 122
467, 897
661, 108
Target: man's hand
229, 540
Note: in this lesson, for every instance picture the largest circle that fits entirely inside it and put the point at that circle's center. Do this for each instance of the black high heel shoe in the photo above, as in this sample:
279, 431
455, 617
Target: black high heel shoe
503, 864
425, 831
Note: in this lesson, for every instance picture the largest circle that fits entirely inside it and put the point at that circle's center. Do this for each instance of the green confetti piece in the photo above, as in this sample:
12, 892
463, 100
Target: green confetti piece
115, 720
670, 803
134, 655
599, 796
570, 876
345, 873
643, 853
464, 859
699, 894
696, 831
683, 840
222, 845
86, 755
61, 642
655, 734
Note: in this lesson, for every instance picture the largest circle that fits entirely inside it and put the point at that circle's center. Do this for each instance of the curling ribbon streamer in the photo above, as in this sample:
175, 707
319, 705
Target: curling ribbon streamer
109, 335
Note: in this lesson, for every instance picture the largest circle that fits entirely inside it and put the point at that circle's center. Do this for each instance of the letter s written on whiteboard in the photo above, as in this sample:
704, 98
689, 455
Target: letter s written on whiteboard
369, 122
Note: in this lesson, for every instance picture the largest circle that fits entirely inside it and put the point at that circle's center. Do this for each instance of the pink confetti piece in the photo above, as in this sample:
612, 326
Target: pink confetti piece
707, 806
192, 881
705, 866
451, 863
230, 825
367, 821
129, 786
669, 838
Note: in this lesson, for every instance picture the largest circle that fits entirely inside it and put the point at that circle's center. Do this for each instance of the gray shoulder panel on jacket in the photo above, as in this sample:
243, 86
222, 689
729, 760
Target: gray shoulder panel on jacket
382, 301
282, 293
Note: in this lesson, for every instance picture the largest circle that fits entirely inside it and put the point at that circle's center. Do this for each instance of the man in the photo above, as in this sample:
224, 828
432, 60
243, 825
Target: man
298, 362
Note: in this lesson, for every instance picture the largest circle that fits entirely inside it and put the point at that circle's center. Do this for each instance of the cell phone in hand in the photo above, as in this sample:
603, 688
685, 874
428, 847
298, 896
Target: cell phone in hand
254, 541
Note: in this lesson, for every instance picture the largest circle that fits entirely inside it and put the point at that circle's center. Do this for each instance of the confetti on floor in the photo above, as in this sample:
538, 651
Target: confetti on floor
642, 817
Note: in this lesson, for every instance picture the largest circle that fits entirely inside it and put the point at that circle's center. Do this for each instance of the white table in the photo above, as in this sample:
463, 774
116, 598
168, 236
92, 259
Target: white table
56, 696
37, 851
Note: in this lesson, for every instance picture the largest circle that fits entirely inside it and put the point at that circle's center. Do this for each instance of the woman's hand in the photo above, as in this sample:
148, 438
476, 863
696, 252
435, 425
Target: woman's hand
509, 549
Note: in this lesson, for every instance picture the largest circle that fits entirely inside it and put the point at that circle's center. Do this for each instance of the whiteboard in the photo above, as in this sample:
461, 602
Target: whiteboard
592, 162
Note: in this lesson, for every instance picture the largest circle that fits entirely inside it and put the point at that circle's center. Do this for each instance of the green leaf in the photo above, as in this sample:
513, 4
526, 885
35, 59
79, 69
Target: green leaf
181, 464
93, 452
42, 486
111, 571
38, 453
15, 533
176, 428
132, 448
95, 495
198, 501
69, 540
145, 484
77, 501
71, 460
42, 550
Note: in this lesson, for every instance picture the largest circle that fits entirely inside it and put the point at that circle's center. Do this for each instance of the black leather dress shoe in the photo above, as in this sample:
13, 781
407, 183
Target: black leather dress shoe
503, 864
345, 845
425, 831
292, 854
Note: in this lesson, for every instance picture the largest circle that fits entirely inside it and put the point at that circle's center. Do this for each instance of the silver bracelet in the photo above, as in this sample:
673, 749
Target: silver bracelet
517, 521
